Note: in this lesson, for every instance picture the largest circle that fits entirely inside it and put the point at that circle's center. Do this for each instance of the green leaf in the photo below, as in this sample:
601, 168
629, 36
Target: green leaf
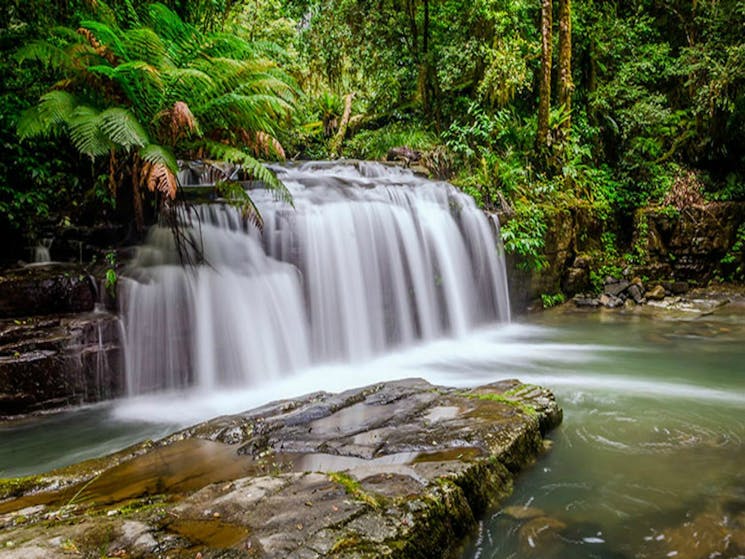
123, 128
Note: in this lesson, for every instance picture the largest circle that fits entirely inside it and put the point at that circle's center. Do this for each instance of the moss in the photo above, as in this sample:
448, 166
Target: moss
507, 400
17, 486
344, 543
353, 488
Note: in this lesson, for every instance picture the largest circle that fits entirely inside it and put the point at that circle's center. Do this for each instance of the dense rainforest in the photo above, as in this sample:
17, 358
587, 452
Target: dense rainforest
528, 106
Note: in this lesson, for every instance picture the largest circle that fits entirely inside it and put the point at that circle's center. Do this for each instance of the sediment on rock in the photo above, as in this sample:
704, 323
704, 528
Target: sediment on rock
401, 469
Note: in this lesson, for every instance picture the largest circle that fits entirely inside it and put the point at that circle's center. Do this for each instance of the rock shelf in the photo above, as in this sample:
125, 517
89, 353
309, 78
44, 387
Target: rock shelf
401, 469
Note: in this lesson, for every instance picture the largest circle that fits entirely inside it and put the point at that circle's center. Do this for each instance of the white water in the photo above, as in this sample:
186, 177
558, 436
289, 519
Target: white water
370, 260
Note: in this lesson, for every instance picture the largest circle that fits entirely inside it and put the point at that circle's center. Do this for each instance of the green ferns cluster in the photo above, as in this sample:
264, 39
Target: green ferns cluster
154, 89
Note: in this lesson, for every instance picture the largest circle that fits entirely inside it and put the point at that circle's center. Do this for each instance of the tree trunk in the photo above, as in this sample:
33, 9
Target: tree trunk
339, 138
566, 86
543, 139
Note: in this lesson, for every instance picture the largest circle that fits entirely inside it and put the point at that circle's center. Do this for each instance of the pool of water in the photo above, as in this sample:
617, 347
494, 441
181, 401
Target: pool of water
649, 462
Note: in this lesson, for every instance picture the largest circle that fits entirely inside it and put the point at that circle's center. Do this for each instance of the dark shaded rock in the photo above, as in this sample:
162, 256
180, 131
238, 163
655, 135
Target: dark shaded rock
48, 289
656, 293
582, 261
404, 154
615, 289
58, 361
399, 469
635, 293
576, 280
583, 300
678, 287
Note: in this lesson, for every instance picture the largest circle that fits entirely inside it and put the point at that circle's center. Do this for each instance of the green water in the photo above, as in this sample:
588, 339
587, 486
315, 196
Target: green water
650, 459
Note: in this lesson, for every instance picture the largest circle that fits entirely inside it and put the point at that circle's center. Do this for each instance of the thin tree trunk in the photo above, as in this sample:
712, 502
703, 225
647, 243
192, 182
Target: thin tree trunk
139, 213
566, 86
339, 138
543, 139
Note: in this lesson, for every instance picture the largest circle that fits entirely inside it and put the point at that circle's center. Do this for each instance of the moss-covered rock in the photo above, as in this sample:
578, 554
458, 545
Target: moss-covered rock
401, 469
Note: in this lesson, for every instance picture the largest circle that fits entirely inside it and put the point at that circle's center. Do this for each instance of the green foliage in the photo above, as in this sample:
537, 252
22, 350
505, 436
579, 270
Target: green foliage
111, 278
524, 235
374, 144
144, 95
551, 300
734, 261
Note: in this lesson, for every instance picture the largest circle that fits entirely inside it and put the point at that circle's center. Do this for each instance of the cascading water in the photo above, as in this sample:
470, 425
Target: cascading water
369, 259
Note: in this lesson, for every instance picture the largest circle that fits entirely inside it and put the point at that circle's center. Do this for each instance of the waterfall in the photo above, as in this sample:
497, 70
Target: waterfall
369, 259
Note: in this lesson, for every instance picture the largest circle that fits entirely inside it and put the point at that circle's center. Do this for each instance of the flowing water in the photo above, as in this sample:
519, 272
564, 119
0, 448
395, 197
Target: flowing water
648, 462
370, 259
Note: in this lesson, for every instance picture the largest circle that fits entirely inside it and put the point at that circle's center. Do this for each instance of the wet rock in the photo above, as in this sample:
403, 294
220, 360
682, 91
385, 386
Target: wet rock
542, 537
523, 513
582, 261
576, 280
398, 469
657, 293
56, 361
49, 289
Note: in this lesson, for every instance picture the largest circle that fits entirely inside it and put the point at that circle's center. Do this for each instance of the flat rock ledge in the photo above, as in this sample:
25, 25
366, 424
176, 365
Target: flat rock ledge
401, 469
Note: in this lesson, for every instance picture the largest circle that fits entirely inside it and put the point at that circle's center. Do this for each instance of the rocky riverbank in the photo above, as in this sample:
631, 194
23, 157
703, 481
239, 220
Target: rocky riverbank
57, 348
401, 469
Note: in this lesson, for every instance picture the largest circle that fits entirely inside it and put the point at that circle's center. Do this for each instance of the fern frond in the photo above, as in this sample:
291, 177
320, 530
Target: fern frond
159, 177
107, 36
47, 117
187, 83
178, 122
236, 195
159, 155
142, 84
144, 44
122, 128
181, 39
86, 134
252, 166
262, 143
251, 112
49, 55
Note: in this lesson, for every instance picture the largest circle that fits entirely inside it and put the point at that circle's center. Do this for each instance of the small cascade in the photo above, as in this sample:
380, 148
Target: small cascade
42, 251
370, 258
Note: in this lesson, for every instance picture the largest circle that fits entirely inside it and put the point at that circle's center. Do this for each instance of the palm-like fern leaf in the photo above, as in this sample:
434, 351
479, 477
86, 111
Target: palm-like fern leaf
159, 155
251, 165
181, 39
107, 36
122, 128
86, 133
144, 44
49, 116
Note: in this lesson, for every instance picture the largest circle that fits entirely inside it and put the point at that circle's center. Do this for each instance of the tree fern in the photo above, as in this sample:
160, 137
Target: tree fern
251, 165
159, 155
86, 133
145, 90
49, 116
122, 128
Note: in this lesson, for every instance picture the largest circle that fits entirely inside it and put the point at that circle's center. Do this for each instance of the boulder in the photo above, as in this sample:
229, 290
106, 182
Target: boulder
401, 469
635, 293
616, 288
